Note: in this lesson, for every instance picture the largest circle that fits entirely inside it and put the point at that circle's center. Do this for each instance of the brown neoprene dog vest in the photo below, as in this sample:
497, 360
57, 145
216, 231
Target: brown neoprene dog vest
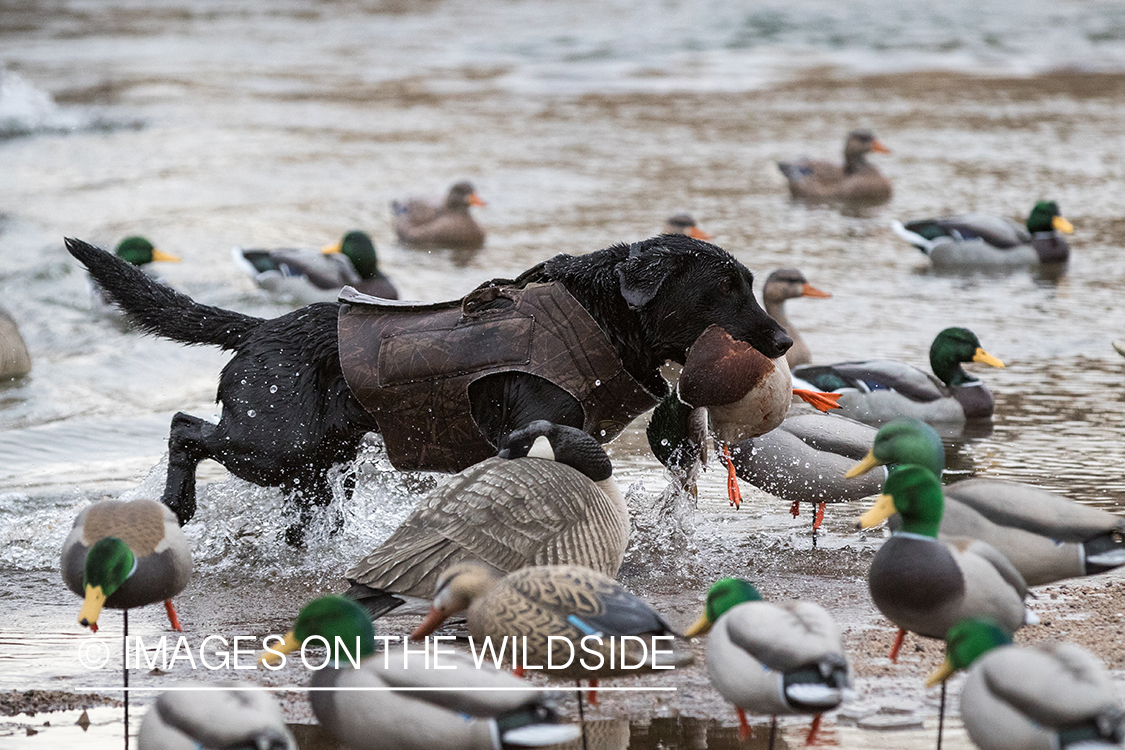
411, 366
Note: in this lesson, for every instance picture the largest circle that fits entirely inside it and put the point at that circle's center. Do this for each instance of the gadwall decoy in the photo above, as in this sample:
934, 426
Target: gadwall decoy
785, 284
422, 224
685, 224
855, 181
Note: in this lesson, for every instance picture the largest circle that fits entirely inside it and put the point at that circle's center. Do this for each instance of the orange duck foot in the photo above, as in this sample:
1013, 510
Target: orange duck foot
822, 401
733, 492
743, 725
172, 616
899, 638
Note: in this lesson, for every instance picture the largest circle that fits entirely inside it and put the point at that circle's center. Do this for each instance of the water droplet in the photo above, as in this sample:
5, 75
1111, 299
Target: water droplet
244, 381
597, 383
251, 413
273, 389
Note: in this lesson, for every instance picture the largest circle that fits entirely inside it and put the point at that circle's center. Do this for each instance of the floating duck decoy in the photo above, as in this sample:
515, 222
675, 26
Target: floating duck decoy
784, 284
1048, 695
1119, 347
986, 240
924, 585
878, 390
549, 498
1045, 536
124, 555
855, 181
310, 276
206, 719
141, 253
15, 362
685, 224
469, 708
422, 224
771, 658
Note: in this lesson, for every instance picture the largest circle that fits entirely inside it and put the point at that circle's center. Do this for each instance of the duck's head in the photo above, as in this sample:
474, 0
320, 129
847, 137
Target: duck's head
724, 595
669, 434
966, 642
109, 563
1045, 217
862, 142
789, 283
905, 440
953, 346
139, 251
915, 494
331, 618
462, 195
357, 247
685, 224
454, 592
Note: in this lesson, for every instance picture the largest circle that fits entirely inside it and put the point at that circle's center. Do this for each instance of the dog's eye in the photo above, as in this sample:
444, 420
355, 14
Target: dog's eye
726, 286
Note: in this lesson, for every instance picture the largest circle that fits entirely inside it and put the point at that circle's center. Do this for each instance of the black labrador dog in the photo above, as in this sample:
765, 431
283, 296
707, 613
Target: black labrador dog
651, 299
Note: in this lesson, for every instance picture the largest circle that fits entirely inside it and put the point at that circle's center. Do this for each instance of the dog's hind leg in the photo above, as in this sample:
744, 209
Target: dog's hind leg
315, 491
187, 446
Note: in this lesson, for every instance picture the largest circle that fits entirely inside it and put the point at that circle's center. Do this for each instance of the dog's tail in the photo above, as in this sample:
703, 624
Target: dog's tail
158, 309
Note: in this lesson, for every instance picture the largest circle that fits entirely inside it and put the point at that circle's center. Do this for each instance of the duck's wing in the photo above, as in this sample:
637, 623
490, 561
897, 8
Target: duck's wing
786, 635
215, 718
833, 434
811, 178
998, 231
1033, 509
963, 546
327, 271
415, 211
872, 375
453, 229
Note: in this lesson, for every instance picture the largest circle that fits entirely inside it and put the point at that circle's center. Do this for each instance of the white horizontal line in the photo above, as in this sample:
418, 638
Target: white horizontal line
562, 688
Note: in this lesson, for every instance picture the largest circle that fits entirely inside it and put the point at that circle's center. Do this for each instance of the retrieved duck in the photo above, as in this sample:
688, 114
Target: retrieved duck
15, 362
421, 224
986, 240
468, 709
771, 658
856, 181
203, 719
684, 224
1047, 695
783, 284
878, 390
124, 555
549, 498
308, 276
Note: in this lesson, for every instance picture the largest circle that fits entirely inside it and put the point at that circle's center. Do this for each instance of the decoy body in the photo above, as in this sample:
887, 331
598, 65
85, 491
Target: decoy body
854, 181
141, 253
15, 362
771, 658
986, 240
548, 499
784, 284
308, 276
462, 714
422, 224
878, 390
124, 555
1119, 346
215, 720
684, 224
1040, 697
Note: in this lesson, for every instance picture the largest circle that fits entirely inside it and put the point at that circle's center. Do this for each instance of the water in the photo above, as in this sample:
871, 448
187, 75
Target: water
203, 125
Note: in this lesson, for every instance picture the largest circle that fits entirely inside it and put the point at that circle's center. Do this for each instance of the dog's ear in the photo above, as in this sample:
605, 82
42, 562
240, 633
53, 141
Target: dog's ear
643, 272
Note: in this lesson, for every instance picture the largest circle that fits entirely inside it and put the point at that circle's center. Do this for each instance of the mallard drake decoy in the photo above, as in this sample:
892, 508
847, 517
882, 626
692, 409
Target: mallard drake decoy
783, 284
549, 498
1045, 536
685, 224
214, 720
422, 224
311, 276
924, 585
141, 253
986, 240
771, 658
1047, 695
125, 554
15, 362
878, 390
461, 713
856, 181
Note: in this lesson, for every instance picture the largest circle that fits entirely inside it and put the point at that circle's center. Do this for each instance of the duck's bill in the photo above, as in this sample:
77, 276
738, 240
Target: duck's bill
941, 674
699, 234
166, 257
879, 148
92, 608
274, 654
329, 249
985, 358
435, 618
474, 200
808, 290
866, 464
822, 401
1062, 225
699, 627
883, 509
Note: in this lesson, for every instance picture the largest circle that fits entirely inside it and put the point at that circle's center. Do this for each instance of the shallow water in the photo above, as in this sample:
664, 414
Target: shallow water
204, 125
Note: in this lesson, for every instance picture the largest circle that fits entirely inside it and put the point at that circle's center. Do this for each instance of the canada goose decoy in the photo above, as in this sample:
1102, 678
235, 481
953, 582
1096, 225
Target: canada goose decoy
685, 224
141, 253
311, 276
1048, 695
781, 285
549, 498
878, 390
422, 224
461, 713
215, 720
15, 362
924, 585
125, 554
855, 181
1045, 536
986, 240
771, 658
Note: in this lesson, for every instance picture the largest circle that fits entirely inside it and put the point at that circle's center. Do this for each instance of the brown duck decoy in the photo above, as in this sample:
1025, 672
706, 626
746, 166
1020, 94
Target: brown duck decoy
422, 224
685, 224
781, 285
855, 181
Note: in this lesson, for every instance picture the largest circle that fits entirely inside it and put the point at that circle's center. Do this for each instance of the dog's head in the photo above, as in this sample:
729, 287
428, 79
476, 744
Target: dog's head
679, 286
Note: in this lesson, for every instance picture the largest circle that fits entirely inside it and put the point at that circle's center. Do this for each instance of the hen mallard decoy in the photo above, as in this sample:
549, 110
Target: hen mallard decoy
1048, 695
125, 554
685, 224
784, 284
1045, 536
141, 253
878, 390
310, 276
203, 719
925, 585
422, 224
855, 181
15, 362
461, 713
549, 498
986, 240
771, 658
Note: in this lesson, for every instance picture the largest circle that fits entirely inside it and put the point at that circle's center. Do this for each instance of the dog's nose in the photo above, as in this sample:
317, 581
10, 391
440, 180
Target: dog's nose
781, 343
